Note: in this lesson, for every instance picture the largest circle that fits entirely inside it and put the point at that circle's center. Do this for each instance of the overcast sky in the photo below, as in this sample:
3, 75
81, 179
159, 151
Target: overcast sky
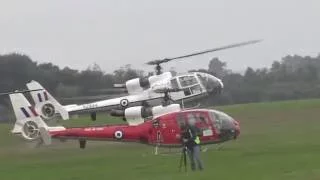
112, 33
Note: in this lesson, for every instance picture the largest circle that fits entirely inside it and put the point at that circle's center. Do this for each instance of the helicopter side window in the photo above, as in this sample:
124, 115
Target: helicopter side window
203, 118
174, 83
196, 89
199, 120
187, 92
187, 81
191, 119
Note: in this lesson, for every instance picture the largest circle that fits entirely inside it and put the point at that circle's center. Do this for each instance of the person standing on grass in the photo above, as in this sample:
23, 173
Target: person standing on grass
191, 140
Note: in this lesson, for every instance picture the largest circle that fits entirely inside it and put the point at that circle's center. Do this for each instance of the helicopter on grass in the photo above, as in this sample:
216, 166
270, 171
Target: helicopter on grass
146, 95
160, 131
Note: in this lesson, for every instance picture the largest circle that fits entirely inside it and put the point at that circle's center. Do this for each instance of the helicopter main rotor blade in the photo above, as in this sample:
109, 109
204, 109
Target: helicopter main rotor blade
92, 98
109, 91
21, 91
157, 62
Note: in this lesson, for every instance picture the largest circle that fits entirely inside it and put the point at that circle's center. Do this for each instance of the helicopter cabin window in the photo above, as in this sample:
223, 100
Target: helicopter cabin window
198, 119
203, 118
196, 89
174, 83
187, 92
186, 81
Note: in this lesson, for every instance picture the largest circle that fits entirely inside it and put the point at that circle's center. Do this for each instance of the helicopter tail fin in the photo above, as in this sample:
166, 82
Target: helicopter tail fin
28, 122
45, 104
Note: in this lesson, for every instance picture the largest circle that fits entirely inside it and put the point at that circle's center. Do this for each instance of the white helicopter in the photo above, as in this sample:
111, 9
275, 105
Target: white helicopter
147, 96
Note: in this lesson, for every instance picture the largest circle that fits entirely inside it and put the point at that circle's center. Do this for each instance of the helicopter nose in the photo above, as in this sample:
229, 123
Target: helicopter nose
218, 87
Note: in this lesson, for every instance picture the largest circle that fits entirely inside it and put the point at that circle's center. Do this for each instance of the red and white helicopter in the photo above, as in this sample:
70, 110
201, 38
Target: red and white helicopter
158, 90
160, 130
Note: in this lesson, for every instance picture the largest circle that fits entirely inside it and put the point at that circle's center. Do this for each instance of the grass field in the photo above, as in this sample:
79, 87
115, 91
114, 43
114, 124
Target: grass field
278, 140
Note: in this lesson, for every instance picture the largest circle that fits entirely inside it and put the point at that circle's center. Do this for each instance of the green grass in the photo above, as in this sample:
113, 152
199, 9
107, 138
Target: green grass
278, 140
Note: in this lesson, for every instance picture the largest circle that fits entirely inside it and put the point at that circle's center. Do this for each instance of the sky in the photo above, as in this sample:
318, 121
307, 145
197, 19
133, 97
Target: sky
113, 33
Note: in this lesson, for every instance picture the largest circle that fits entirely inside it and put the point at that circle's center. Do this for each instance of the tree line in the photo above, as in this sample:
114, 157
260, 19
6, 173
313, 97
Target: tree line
293, 77
16, 70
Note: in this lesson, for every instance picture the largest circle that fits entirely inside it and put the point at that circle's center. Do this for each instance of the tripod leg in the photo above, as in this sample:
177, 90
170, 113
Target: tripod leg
185, 159
181, 159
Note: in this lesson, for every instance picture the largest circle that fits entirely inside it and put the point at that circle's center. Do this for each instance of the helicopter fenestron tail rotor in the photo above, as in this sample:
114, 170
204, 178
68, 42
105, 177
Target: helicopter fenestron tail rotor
158, 63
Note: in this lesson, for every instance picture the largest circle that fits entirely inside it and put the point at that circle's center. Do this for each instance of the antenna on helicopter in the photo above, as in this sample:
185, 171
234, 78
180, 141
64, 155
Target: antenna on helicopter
158, 63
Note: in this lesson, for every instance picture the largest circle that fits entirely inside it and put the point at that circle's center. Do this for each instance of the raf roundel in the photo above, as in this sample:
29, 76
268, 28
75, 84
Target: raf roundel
124, 102
118, 134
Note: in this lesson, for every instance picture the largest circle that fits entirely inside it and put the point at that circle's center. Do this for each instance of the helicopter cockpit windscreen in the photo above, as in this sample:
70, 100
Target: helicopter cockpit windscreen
208, 81
223, 120
223, 123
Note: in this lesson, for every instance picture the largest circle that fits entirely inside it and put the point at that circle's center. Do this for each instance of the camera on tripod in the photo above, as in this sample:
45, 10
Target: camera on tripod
183, 159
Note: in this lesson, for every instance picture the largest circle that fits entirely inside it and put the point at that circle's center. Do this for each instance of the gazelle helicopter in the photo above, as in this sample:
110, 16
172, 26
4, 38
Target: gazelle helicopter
146, 96
163, 130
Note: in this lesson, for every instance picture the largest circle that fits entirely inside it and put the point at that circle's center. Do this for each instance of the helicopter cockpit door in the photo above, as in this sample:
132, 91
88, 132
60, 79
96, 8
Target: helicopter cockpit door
198, 119
189, 83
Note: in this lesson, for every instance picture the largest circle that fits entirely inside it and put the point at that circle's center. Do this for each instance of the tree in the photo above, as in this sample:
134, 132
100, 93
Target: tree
126, 73
217, 67
91, 78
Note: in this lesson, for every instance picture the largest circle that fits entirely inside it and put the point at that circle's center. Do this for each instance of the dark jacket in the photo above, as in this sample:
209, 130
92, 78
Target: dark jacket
190, 133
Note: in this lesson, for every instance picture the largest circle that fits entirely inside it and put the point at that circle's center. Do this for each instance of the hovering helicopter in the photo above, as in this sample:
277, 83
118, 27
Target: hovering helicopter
145, 95
162, 131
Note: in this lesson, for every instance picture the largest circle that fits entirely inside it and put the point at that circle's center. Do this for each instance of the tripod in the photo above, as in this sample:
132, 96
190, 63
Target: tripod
183, 159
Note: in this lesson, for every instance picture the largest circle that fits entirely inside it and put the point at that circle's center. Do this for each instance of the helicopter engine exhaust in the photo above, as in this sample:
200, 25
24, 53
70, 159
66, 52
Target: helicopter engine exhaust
133, 112
137, 85
136, 115
117, 113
